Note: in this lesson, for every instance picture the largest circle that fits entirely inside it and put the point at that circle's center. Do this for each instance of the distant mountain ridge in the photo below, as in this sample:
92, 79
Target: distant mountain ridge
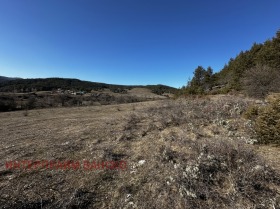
4, 79
49, 84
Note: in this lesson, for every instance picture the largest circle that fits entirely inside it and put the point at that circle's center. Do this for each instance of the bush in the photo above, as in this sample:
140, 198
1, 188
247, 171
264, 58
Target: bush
31, 102
252, 112
216, 173
7, 104
267, 121
223, 174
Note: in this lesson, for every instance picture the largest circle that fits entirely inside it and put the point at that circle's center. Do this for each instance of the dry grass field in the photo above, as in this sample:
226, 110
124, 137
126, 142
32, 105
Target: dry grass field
188, 153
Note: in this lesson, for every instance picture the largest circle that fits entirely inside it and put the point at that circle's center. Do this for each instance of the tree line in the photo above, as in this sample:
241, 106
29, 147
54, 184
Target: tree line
49, 84
254, 72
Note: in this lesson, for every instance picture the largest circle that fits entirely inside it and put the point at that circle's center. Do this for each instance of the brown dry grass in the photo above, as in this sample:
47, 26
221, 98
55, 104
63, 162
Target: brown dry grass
180, 154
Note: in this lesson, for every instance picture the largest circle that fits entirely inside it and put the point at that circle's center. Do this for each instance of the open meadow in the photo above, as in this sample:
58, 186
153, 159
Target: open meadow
186, 153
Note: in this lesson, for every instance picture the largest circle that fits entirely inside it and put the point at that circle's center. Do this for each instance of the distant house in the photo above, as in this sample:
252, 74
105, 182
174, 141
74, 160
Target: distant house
58, 91
80, 93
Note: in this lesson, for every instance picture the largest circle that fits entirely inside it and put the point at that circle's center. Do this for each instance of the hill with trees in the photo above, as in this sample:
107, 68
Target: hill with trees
5, 79
254, 72
18, 94
49, 84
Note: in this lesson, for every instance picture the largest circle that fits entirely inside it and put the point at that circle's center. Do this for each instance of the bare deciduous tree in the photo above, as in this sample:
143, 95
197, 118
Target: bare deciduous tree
260, 80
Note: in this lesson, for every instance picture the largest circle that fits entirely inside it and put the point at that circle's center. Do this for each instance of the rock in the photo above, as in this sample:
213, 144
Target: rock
141, 162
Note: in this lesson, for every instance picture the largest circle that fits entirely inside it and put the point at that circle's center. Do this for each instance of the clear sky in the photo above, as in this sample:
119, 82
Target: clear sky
129, 41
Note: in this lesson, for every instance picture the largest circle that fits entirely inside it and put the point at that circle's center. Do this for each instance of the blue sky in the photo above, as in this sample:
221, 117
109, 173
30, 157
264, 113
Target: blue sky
129, 41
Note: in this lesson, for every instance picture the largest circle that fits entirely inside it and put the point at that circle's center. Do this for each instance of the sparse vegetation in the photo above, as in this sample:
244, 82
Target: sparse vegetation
20, 101
185, 153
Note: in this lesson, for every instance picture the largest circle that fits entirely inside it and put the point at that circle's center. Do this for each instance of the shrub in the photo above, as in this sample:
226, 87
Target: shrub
267, 122
223, 174
211, 174
7, 104
252, 112
31, 103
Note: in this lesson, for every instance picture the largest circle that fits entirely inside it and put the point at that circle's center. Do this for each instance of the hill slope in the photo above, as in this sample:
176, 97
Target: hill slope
5, 79
255, 71
267, 54
188, 154
48, 84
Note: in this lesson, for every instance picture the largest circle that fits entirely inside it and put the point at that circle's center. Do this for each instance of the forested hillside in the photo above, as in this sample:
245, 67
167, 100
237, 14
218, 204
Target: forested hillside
5, 79
255, 72
48, 84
